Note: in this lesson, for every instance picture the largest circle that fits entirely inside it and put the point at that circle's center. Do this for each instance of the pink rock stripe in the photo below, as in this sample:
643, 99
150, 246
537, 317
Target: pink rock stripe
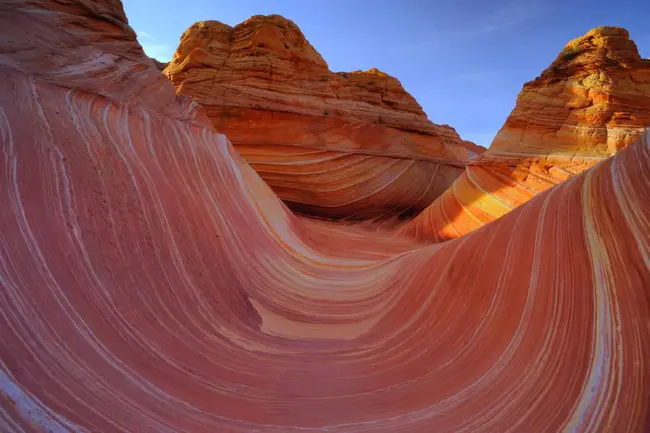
151, 281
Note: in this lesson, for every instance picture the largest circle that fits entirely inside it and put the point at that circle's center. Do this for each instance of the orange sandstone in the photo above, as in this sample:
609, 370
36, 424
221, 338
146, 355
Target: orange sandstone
343, 145
592, 101
150, 281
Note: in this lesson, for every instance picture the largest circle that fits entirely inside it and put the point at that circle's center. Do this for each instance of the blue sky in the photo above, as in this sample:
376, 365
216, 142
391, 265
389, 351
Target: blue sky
465, 61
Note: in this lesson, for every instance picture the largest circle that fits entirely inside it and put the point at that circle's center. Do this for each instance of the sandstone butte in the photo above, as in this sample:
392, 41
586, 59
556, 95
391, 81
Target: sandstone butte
592, 101
151, 281
338, 145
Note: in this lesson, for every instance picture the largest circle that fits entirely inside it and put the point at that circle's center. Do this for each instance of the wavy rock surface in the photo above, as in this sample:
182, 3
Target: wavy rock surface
151, 281
342, 145
592, 101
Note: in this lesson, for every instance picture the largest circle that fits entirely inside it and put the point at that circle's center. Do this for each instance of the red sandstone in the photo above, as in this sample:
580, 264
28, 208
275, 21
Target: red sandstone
151, 281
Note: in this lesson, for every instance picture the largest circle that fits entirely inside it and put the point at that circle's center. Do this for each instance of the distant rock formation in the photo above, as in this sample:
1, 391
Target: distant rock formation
592, 101
343, 145
159, 65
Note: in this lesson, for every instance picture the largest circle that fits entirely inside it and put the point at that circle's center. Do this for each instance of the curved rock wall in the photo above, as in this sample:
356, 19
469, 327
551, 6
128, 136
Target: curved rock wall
337, 145
151, 281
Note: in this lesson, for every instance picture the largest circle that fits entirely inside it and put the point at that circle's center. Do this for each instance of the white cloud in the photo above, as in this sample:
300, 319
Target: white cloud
153, 48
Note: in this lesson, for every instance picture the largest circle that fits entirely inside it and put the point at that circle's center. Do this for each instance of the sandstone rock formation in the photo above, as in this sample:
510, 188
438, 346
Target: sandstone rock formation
592, 101
343, 145
159, 65
151, 281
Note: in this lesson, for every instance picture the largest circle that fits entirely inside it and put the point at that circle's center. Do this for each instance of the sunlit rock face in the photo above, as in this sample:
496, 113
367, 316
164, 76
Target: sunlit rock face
592, 101
151, 281
338, 145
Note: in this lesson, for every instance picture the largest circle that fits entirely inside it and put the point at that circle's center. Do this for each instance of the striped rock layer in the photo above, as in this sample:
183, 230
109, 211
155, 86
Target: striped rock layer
336, 145
151, 281
592, 101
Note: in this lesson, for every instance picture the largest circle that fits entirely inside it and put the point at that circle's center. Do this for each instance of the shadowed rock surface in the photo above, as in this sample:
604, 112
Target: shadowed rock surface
160, 65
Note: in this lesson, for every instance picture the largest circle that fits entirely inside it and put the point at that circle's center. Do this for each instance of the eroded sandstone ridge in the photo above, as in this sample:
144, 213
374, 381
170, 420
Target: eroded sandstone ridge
159, 65
151, 281
592, 101
343, 145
